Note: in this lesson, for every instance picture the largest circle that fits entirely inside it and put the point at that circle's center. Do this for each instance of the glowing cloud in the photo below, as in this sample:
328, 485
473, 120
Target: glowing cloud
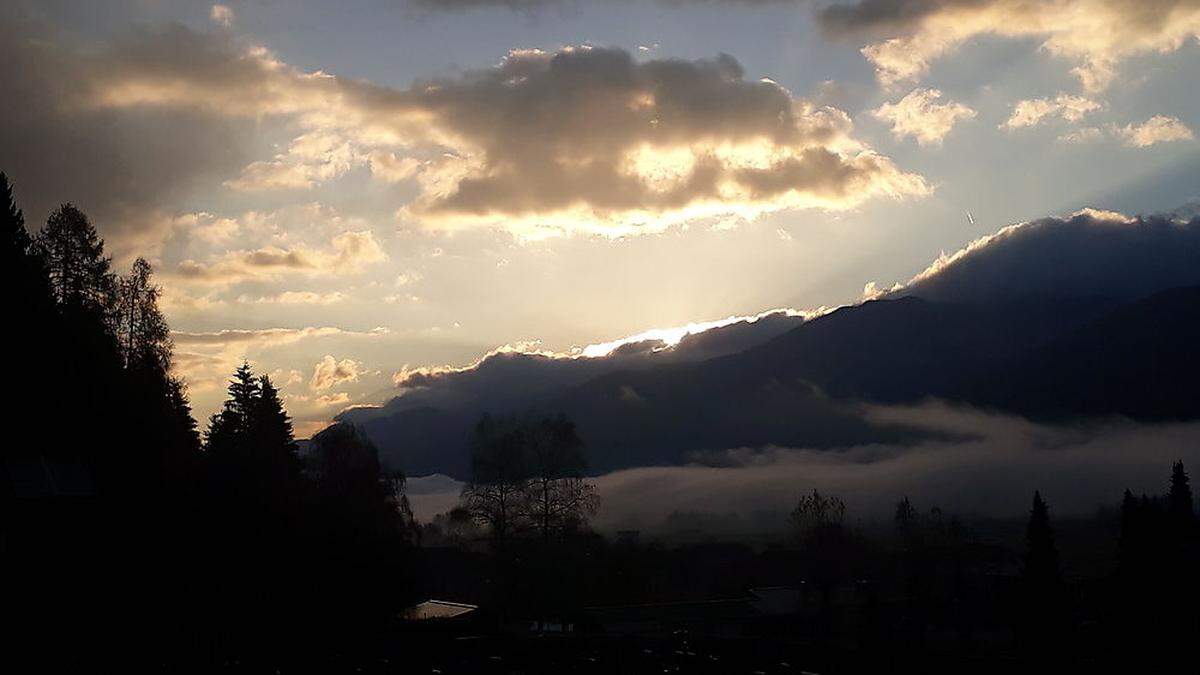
1094, 34
920, 115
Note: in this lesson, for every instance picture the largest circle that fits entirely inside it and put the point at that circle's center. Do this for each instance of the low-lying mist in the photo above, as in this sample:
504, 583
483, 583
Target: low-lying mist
990, 470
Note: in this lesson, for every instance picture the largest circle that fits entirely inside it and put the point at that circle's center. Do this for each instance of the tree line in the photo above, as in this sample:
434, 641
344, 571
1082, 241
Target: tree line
122, 519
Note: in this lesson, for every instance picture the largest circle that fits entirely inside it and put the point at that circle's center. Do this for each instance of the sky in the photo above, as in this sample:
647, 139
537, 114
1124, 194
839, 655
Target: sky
340, 192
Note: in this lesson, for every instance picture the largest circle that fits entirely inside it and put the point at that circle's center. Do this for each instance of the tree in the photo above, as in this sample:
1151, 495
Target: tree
349, 478
906, 518
1179, 499
229, 429
495, 492
24, 272
557, 498
815, 514
26, 295
527, 473
1041, 558
14, 238
1129, 546
828, 548
80, 277
250, 442
271, 433
142, 333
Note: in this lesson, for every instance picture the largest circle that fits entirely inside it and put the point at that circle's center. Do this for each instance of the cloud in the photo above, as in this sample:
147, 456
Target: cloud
1089, 254
341, 398
221, 15
591, 136
993, 474
920, 115
990, 468
329, 372
1031, 112
1096, 35
128, 169
261, 337
513, 376
1081, 135
390, 168
310, 160
295, 298
580, 139
205, 359
348, 253
1157, 129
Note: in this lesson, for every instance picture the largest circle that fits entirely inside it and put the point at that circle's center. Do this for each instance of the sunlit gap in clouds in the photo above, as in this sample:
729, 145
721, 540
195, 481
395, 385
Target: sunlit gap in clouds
671, 337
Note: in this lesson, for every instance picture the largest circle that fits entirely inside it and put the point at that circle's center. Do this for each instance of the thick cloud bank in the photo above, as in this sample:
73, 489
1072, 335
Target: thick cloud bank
579, 139
1090, 254
513, 376
992, 473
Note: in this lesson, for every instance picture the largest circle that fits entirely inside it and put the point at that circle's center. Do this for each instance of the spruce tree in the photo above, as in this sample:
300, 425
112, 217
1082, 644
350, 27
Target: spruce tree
1041, 559
15, 241
228, 430
1179, 498
271, 433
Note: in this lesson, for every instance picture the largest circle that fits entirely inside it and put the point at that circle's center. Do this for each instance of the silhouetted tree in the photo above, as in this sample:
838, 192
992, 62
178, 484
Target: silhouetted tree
81, 280
348, 477
142, 333
1179, 498
557, 497
1129, 546
364, 528
1043, 617
495, 494
1041, 557
905, 518
271, 434
229, 430
828, 548
250, 444
26, 285
814, 513
26, 295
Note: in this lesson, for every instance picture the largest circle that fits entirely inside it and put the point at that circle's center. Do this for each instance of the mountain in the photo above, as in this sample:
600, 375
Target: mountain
1141, 360
1091, 315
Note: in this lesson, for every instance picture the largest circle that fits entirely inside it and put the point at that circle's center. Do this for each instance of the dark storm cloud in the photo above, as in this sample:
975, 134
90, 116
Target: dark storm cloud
1090, 254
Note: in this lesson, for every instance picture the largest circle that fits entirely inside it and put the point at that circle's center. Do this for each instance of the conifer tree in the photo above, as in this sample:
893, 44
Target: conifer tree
271, 432
228, 429
81, 280
26, 294
1179, 498
1041, 559
14, 238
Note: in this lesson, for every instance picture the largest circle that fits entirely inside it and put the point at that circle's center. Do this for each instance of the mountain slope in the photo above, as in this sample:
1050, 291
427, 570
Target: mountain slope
1141, 360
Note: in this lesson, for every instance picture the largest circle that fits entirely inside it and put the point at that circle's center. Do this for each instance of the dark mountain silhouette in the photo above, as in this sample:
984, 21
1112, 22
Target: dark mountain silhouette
1056, 318
1140, 360
1040, 357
